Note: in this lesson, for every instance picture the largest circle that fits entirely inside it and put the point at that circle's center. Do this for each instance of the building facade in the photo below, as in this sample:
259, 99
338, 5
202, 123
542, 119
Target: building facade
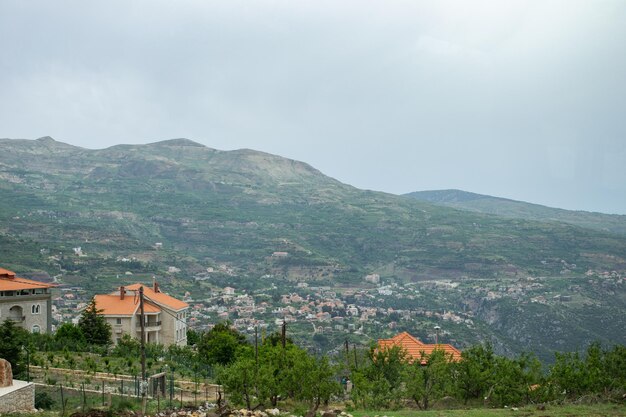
165, 317
26, 302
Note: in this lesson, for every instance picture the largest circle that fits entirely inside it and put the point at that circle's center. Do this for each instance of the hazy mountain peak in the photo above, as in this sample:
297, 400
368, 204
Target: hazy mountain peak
177, 142
46, 139
452, 195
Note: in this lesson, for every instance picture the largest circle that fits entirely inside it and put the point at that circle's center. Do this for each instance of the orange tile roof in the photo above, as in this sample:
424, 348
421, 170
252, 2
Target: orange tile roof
9, 282
405, 336
7, 273
159, 297
112, 305
414, 347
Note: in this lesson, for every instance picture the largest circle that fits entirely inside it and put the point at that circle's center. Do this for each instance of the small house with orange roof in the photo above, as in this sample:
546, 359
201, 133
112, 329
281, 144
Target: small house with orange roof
26, 302
416, 349
165, 317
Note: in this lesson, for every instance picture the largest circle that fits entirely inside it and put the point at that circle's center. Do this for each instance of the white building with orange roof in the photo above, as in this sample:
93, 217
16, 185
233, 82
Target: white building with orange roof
165, 316
26, 302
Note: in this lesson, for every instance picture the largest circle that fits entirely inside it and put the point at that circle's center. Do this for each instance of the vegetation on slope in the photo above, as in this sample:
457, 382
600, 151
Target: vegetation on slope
513, 209
241, 206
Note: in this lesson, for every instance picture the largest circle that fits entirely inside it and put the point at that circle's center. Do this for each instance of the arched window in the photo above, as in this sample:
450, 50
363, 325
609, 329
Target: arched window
35, 309
36, 329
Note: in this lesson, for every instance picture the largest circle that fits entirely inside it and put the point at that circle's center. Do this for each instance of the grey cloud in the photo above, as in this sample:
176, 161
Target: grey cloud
521, 99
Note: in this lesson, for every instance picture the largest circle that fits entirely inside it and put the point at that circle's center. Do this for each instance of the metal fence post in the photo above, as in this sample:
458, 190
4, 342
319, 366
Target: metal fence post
62, 402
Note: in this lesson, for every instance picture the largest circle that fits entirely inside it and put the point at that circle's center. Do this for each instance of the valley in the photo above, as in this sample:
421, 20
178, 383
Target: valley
298, 246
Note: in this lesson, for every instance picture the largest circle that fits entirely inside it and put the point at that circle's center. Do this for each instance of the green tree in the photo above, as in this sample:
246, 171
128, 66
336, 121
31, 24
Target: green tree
615, 368
71, 336
94, 326
569, 373
317, 382
276, 339
193, 337
273, 371
12, 339
513, 379
599, 371
429, 378
279, 372
127, 347
240, 380
475, 372
220, 344
378, 382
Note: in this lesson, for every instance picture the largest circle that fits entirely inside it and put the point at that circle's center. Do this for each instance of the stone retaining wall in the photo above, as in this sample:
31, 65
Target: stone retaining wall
21, 397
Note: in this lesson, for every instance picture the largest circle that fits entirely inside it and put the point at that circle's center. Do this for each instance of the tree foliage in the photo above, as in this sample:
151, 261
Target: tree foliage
428, 378
475, 372
12, 339
379, 382
599, 371
70, 336
94, 326
278, 373
220, 345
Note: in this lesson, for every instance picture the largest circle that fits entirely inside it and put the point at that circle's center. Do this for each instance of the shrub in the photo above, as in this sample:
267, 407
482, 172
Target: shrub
43, 401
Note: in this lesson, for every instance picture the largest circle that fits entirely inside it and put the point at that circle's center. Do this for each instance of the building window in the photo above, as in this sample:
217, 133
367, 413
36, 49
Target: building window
36, 329
118, 321
35, 309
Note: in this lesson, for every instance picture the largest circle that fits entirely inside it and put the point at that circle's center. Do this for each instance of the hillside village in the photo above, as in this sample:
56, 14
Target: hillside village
426, 324
363, 314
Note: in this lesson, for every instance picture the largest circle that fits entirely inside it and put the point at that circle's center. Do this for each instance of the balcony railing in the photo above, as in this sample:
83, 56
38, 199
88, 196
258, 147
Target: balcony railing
149, 324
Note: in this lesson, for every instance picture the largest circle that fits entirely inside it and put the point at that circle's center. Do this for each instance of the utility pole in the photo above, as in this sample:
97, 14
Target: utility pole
256, 345
284, 334
144, 384
256, 359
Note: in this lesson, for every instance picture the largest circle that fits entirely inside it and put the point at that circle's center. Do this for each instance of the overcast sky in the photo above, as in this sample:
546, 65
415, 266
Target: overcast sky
518, 99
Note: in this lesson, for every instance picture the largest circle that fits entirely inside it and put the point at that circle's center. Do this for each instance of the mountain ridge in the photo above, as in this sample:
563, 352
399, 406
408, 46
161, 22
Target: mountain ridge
149, 210
381, 231
481, 203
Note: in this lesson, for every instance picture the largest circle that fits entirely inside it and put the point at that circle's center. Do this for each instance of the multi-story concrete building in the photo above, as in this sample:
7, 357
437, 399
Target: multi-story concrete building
165, 317
26, 302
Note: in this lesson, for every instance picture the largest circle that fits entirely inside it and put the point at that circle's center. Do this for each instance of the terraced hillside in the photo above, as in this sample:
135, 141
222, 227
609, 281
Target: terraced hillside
208, 206
239, 207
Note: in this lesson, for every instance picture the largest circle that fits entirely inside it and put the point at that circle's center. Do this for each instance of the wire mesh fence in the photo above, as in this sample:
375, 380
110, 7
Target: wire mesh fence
71, 390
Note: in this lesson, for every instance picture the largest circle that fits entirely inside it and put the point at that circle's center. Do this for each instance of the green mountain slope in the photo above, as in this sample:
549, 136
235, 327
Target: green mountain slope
241, 206
180, 205
513, 209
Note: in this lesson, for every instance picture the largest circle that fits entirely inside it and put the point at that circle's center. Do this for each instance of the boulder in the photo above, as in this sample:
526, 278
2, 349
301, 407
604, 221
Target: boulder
6, 374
